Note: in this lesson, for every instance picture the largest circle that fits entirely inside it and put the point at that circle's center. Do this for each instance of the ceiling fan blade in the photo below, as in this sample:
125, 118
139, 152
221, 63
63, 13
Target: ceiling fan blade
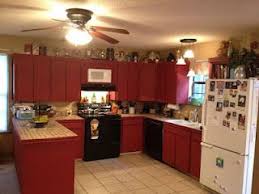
38, 29
104, 37
21, 7
116, 30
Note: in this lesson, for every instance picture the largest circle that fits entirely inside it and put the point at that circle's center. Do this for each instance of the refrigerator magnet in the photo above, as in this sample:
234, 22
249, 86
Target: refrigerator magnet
220, 85
220, 92
232, 104
241, 121
234, 114
211, 98
233, 93
243, 86
228, 115
241, 100
226, 103
212, 86
231, 85
219, 106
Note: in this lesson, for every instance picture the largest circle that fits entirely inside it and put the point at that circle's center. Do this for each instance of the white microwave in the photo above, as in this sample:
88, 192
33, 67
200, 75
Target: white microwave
99, 75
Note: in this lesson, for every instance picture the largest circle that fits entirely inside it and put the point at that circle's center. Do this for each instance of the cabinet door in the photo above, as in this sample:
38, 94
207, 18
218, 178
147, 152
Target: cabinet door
133, 81
78, 128
23, 78
73, 80
182, 85
42, 81
195, 155
170, 83
147, 81
58, 79
161, 82
169, 142
182, 151
121, 85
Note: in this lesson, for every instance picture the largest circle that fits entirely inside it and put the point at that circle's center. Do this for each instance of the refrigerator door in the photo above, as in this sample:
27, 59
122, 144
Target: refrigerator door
230, 113
223, 171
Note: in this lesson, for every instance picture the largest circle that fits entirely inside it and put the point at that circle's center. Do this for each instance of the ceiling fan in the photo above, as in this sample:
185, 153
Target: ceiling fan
77, 22
76, 19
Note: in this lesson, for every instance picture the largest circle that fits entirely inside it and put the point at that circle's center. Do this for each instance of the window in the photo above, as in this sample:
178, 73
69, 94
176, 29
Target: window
4, 79
198, 88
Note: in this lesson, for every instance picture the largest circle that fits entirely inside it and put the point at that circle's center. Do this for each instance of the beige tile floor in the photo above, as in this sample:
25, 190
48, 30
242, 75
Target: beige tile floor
133, 173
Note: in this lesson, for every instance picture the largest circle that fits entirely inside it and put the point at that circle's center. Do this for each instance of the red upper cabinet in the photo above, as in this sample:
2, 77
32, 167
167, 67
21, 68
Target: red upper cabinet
23, 77
42, 81
147, 81
58, 79
122, 81
133, 81
161, 82
176, 83
73, 80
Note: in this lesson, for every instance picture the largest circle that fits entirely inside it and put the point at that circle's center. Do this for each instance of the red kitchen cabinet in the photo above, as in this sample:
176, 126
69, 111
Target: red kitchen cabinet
182, 149
78, 127
58, 79
132, 134
169, 141
23, 78
176, 83
147, 81
133, 81
98, 64
176, 146
42, 81
73, 80
161, 82
122, 82
195, 165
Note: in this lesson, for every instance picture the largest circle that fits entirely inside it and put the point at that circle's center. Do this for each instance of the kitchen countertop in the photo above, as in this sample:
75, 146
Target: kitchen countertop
180, 122
71, 117
52, 130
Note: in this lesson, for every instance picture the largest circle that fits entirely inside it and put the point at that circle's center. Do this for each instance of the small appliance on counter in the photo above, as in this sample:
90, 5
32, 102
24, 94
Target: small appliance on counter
23, 112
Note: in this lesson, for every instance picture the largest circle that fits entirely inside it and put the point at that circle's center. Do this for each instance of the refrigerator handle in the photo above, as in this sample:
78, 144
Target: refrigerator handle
206, 145
204, 113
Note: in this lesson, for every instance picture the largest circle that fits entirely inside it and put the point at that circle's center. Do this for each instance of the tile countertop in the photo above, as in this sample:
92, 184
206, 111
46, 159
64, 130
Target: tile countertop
53, 130
167, 120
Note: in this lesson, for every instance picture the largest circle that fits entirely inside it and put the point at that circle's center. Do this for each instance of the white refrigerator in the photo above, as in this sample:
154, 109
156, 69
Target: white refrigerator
229, 135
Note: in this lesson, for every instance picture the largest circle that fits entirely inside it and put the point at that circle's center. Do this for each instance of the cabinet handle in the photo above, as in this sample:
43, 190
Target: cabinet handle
206, 145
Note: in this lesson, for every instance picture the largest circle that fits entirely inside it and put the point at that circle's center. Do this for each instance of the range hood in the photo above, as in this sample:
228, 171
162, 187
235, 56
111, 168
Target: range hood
98, 87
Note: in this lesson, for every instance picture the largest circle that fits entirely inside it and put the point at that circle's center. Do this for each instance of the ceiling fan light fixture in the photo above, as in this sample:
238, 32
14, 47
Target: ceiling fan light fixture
78, 36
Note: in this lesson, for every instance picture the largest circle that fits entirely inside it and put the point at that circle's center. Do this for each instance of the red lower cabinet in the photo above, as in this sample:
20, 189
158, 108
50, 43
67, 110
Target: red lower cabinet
131, 134
78, 127
195, 154
181, 148
168, 146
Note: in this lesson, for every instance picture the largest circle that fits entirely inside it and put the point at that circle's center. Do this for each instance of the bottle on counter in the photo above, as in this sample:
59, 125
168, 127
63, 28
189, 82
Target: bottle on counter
93, 98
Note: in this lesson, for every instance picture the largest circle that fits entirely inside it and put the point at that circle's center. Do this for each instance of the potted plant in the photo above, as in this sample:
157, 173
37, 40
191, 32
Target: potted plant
243, 63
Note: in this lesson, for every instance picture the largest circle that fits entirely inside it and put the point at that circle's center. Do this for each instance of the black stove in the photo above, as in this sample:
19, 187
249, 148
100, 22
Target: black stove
102, 132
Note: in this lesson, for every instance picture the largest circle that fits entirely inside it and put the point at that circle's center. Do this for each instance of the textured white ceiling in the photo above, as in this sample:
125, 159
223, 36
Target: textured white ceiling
152, 23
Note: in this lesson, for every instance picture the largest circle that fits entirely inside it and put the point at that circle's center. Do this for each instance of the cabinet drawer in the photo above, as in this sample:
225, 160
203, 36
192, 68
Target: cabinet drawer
72, 124
177, 129
132, 121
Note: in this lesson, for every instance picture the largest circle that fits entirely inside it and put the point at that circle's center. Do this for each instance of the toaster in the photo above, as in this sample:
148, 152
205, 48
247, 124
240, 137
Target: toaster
25, 114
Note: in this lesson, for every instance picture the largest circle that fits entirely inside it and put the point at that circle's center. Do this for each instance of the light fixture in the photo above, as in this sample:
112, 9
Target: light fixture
181, 61
188, 53
191, 73
78, 36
